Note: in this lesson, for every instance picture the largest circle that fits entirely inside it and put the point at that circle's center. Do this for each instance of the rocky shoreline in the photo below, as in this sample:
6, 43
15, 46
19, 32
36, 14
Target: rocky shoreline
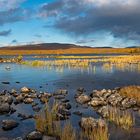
100, 101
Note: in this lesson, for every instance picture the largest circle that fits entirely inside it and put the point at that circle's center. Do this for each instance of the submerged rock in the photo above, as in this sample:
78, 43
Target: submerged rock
9, 124
4, 108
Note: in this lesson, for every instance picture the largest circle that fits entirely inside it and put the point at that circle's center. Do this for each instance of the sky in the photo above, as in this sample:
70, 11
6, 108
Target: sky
96, 23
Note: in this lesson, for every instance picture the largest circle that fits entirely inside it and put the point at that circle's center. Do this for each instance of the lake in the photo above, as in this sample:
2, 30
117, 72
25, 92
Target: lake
49, 79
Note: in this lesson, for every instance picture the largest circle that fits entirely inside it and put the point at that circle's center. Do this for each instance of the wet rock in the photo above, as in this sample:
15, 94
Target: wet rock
13, 91
25, 117
64, 112
44, 100
35, 135
61, 92
25, 90
65, 100
5, 82
128, 103
97, 102
4, 108
80, 89
36, 109
34, 104
18, 138
19, 99
28, 100
115, 99
9, 124
82, 99
59, 97
103, 111
8, 99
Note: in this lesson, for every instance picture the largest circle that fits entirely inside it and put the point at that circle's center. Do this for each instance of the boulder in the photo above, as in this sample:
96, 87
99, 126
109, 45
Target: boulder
25, 90
9, 124
128, 103
35, 135
97, 102
4, 108
82, 99
28, 100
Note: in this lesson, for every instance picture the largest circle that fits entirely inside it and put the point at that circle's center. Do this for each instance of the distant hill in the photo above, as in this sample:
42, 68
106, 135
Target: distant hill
133, 47
43, 46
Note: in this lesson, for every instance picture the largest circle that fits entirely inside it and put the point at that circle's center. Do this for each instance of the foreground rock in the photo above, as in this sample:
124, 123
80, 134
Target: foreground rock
82, 99
35, 135
9, 124
4, 108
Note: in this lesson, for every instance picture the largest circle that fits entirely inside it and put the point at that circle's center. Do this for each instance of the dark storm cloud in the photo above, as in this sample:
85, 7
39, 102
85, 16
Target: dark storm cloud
83, 17
5, 33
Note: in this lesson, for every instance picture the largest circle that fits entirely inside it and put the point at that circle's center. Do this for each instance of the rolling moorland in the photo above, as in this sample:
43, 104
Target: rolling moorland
57, 48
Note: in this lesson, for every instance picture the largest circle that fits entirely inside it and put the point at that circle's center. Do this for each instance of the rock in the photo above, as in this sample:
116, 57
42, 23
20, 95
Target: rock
80, 89
4, 108
64, 112
82, 99
25, 90
97, 102
28, 100
8, 99
5, 82
35, 135
9, 124
13, 91
128, 103
61, 92
115, 99
103, 111
36, 109
19, 99
18, 138
25, 117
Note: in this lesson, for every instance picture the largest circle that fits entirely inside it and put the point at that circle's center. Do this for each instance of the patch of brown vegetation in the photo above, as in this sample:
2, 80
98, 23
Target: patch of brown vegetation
131, 92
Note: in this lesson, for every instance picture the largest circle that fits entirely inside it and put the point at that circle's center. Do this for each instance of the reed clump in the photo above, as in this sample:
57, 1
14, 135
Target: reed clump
123, 119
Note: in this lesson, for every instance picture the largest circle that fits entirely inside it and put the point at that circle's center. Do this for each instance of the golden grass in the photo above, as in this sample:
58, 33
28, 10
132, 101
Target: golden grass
131, 92
123, 62
98, 133
68, 132
123, 119
71, 51
47, 124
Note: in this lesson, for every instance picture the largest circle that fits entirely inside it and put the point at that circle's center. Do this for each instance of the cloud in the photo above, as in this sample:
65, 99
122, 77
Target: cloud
11, 11
84, 17
10, 4
84, 41
5, 33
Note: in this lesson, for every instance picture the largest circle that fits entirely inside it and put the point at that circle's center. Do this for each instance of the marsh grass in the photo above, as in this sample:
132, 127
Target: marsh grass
123, 119
47, 124
131, 92
98, 133
123, 62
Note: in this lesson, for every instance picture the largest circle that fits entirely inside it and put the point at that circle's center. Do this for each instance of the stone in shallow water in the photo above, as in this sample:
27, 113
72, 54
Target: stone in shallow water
82, 99
9, 124
35, 135
4, 108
